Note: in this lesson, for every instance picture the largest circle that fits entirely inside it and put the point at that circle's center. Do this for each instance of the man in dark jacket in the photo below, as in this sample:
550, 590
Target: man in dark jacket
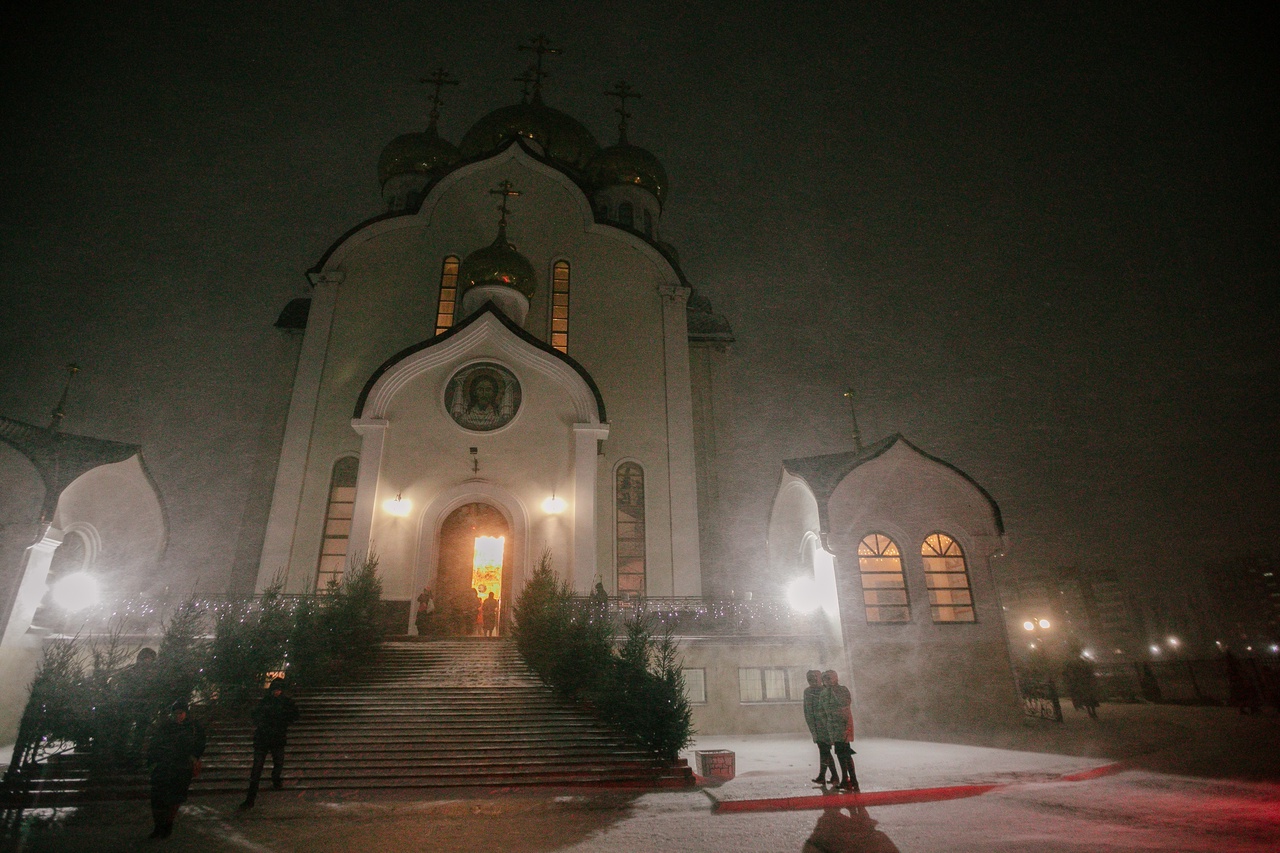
271, 716
177, 742
818, 728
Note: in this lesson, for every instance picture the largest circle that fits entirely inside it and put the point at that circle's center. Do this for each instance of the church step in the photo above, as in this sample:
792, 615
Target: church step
426, 714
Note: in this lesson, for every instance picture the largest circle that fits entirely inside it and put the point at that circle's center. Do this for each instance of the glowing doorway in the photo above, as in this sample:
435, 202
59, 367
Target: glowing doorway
473, 562
486, 568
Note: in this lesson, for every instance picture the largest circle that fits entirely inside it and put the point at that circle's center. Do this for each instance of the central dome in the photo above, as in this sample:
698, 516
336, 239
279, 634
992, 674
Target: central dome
498, 264
562, 137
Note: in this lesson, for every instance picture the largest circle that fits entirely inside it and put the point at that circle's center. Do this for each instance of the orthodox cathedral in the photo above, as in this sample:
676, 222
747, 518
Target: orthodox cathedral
508, 362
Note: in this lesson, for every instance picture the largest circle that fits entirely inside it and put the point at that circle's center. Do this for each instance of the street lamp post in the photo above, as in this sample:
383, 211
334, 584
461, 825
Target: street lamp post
1036, 626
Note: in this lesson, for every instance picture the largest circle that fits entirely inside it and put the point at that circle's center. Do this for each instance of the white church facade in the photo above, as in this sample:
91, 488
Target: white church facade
512, 353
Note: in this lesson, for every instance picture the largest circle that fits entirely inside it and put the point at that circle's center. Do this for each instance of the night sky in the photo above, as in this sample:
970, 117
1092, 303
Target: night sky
1039, 240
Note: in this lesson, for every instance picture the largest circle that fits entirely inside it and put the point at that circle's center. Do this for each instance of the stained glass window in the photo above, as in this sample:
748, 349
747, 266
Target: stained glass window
560, 306
448, 294
947, 578
884, 587
337, 521
630, 538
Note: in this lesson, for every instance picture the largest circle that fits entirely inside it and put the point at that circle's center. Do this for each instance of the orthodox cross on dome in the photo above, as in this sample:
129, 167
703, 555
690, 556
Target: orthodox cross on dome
440, 78
622, 91
541, 47
55, 423
853, 411
507, 190
525, 79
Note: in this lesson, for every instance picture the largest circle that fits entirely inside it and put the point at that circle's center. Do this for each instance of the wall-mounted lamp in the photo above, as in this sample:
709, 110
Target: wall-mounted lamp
803, 595
76, 592
553, 505
398, 506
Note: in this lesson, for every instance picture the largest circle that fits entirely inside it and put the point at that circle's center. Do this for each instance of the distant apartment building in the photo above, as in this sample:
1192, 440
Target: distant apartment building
1246, 594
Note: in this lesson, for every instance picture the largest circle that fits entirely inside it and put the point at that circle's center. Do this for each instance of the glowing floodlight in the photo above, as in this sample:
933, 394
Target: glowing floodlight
76, 592
553, 505
1173, 641
398, 506
1044, 623
802, 594
1029, 625
1155, 650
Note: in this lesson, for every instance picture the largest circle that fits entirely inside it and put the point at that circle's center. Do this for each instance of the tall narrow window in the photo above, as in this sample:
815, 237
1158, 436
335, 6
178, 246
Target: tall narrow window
560, 306
884, 588
648, 223
626, 215
448, 294
630, 529
337, 521
947, 577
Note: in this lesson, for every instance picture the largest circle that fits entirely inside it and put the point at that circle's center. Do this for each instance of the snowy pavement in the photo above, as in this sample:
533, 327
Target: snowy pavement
1172, 779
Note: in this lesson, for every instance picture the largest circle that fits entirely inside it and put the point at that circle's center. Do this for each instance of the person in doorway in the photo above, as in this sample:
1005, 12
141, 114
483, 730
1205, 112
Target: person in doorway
489, 615
836, 708
177, 742
271, 718
426, 611
477, 617
812, 718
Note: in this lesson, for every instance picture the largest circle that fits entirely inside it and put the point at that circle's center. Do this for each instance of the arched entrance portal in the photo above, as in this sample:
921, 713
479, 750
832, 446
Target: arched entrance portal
475, 558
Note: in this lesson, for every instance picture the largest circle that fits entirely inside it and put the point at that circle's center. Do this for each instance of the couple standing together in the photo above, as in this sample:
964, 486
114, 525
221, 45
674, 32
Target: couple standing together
828, 712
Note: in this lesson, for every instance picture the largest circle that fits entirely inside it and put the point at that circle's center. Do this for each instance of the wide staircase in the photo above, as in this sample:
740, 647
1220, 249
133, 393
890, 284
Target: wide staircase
437, 714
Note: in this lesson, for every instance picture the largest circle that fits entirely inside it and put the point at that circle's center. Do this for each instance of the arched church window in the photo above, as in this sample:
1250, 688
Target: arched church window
947, 578
337, 521
560, 306
629, 496
448, 294
648, 223
884, 587
626, 215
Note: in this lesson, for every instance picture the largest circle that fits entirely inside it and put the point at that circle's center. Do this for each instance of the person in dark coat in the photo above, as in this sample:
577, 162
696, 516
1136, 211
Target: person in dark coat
133, 691
177, 742
817, 729
1240, 689
489, 615
271, 718
835, 705
1078, 676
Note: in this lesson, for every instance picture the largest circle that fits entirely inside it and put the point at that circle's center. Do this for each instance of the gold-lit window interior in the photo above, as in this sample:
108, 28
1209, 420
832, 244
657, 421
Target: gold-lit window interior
337, 522
448, 294
884, 587
560, 306
630, 530
947, 577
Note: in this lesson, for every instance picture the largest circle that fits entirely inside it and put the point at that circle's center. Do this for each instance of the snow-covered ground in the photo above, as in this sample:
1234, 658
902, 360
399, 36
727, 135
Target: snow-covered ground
1187, 779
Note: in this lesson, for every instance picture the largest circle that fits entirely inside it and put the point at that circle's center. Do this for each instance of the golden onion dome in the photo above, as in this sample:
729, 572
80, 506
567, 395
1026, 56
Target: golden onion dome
628, 164
562, 137
498, 263
416, 153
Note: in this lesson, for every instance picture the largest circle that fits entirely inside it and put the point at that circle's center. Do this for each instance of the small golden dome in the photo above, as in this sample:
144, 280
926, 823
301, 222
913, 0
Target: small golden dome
416, 153
498, 263
562, 137
629, 164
